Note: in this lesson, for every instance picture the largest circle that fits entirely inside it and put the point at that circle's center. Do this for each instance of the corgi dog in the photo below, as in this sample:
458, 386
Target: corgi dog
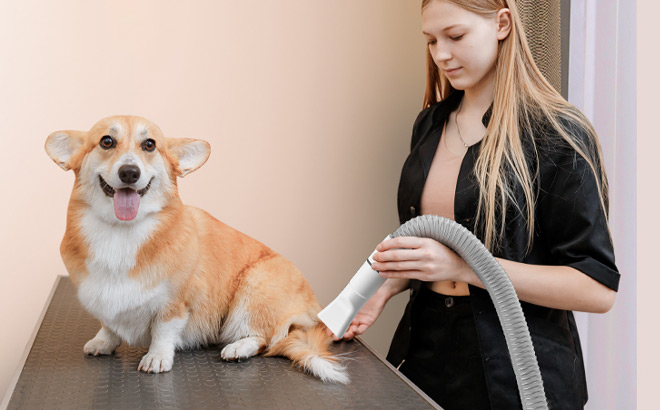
158, 273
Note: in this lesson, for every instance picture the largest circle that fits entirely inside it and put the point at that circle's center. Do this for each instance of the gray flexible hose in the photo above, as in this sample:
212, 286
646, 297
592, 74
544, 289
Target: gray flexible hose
505, 299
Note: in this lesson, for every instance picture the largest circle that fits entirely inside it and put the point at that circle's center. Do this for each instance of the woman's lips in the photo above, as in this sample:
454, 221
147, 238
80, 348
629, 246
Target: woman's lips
452, 71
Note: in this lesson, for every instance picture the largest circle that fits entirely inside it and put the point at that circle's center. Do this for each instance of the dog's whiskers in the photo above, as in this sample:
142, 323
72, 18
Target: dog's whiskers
107, 189
144, 190
110, 191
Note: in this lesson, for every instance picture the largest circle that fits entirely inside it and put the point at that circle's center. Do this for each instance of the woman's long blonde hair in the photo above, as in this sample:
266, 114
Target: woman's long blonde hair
523, 99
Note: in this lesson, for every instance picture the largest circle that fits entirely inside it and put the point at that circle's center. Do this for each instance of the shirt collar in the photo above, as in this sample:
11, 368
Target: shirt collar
450, 103
486, 117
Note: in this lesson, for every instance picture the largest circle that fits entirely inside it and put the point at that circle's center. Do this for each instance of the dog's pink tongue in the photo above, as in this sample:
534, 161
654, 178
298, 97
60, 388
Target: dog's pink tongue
127, 202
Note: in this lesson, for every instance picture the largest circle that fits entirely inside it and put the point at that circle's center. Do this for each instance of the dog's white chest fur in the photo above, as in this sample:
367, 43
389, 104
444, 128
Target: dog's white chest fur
122, 303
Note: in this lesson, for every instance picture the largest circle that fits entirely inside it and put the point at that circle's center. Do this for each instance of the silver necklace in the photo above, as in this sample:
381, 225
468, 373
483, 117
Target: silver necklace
457, 128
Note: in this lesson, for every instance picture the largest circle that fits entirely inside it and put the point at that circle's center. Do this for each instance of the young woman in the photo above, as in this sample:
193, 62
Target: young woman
497, 149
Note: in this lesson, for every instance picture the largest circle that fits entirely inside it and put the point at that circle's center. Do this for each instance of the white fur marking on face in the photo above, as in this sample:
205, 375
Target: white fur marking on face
142, 130
129, 158
115, 128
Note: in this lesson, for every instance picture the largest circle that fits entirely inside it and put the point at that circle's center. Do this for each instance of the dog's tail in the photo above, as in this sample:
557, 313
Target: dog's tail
309, 350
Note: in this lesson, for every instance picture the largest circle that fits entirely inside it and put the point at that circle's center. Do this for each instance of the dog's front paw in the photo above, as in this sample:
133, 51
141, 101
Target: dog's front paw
99, 346
157, 362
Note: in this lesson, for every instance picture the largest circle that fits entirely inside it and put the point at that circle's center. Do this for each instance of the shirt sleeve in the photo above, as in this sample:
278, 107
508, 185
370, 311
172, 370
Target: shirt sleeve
572, 221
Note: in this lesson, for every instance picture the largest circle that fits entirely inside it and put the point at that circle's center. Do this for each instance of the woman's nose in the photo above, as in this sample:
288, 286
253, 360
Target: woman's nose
440, 53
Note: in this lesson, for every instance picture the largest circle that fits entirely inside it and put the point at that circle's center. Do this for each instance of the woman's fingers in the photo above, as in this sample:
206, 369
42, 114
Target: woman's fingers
408, 248
407, 242
350, 333
329, 333
398, 266
397, 255
404, 274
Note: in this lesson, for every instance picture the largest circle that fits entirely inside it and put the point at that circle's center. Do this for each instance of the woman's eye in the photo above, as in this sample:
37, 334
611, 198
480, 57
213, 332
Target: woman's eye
431, 42
149, 145
107, 142
456, 38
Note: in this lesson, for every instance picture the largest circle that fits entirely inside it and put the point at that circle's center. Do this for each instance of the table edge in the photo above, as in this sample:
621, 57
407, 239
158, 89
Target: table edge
59, 278
400, 375
28, 346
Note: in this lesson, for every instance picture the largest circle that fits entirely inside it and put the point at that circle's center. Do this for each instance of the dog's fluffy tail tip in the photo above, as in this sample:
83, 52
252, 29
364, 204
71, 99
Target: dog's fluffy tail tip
309, 350
326, 369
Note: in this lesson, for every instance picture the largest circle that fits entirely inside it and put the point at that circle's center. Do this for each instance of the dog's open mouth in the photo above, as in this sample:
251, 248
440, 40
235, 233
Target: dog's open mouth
110, 191
126, 200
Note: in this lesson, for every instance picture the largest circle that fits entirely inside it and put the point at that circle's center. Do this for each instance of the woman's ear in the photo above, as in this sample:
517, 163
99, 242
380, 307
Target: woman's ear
503, 20
191, 154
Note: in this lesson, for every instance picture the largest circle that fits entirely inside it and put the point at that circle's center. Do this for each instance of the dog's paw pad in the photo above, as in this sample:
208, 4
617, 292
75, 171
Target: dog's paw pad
156, 362
240, 350
98, 346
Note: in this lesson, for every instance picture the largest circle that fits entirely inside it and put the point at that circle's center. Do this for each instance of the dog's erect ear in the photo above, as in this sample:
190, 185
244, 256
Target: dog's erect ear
191, 153
62, 145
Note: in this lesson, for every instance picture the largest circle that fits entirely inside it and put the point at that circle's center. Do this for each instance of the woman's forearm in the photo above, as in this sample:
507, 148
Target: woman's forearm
392, 287
559, 287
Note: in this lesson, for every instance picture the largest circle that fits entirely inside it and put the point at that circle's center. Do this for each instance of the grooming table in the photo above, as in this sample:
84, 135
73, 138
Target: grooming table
56, 374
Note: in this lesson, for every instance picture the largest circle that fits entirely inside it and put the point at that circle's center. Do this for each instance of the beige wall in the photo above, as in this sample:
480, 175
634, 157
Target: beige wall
308, 107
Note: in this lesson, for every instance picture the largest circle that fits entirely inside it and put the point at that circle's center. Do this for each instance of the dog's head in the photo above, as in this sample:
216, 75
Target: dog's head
125, 167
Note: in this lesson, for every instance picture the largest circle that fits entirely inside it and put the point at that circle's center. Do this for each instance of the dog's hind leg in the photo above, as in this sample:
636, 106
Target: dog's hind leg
243, 348
105, 342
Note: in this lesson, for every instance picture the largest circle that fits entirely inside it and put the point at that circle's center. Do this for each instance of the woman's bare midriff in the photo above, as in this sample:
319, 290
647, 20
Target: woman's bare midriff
449, 287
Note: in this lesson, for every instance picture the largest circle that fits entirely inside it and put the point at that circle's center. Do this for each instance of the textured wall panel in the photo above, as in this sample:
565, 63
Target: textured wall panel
542, 21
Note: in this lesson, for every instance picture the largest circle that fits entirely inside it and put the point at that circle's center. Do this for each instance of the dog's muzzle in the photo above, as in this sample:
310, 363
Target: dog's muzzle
110, 191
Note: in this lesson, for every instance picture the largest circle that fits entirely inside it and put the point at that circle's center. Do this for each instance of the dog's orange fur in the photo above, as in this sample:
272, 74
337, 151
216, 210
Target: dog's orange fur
210, 267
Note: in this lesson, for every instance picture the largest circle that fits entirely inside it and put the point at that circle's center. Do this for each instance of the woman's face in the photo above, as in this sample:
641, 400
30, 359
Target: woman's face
463, 44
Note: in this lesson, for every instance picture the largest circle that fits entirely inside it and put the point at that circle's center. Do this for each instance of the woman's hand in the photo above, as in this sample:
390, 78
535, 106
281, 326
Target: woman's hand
365, 317
373, 308
424, 259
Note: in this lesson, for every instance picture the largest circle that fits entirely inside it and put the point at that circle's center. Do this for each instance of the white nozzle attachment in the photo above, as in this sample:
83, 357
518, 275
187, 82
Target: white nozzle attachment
339, 314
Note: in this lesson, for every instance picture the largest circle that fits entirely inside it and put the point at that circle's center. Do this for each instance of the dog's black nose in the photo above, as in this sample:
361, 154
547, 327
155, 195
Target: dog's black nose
129, 174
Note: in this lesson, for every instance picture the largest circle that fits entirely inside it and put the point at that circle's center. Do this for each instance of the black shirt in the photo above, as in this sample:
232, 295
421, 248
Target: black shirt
570, 230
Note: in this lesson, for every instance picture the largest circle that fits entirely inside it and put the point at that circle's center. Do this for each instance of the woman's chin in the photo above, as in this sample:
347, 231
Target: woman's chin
458, 85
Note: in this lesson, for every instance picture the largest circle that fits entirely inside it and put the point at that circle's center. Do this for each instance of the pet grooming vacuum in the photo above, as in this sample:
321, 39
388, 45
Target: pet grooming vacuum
340, 313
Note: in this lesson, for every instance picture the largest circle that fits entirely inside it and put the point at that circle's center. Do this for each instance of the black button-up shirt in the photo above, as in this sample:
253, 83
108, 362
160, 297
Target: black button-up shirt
570, 230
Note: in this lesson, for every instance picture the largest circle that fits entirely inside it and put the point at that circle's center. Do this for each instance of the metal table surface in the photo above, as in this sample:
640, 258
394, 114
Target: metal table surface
56, 374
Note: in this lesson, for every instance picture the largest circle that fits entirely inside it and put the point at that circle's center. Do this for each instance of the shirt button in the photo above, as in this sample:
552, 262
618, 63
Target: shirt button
412, 210
449, 302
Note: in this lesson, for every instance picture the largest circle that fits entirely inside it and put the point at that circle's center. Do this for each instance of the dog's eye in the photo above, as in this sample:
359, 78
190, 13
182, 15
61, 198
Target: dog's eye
107, 142
149, 145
